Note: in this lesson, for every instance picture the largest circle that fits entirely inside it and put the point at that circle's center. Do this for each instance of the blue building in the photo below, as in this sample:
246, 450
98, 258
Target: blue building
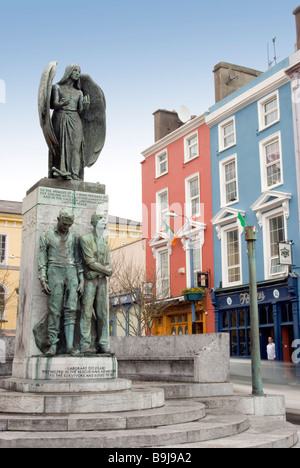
254, 173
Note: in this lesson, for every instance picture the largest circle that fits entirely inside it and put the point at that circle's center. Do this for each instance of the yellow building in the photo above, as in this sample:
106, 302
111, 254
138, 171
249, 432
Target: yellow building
121, 232
10, 253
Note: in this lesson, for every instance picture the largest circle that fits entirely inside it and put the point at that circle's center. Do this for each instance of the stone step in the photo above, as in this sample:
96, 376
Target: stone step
174, 390
65, 386
211, 427
264, 405
175, 412
91, 402
262, 433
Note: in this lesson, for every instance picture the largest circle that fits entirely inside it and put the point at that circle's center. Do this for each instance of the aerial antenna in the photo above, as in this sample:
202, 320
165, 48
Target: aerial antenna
274, 61
269, 61
274, 47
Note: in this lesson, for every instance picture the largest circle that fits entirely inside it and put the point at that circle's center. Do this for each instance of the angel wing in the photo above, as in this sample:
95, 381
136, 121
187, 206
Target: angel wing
94, 120
44, 97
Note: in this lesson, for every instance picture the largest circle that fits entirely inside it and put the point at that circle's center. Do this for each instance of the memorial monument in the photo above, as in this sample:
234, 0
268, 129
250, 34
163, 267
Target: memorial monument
63, 316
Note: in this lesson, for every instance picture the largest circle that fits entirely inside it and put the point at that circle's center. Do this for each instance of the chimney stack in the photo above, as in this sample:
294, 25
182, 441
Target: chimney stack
296, 12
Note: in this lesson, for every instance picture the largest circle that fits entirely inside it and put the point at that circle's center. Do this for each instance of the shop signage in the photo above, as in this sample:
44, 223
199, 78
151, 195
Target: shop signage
285, 253
245, 297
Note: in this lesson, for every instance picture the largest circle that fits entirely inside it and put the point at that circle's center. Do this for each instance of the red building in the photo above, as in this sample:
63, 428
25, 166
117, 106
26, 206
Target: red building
176, 177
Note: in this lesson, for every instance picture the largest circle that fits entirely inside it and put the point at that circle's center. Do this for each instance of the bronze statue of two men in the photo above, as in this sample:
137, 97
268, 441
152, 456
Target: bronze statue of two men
73, 272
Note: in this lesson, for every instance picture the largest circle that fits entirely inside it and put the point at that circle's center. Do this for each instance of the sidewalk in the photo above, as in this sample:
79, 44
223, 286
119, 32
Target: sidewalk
290, 392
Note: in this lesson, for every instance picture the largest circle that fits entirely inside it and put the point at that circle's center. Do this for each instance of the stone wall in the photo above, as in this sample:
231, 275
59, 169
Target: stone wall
7, 349
188, 358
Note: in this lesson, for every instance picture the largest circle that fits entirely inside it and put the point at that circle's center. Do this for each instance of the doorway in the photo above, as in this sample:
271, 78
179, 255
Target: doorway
265, 332
287, 333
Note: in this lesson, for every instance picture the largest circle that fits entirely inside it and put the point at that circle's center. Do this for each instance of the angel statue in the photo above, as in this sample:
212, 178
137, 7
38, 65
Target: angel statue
75, 133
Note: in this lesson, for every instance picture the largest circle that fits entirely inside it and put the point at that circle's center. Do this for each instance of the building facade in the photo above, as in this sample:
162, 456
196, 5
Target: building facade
10, 256
126, 286
176, 179
122, 231
254, 175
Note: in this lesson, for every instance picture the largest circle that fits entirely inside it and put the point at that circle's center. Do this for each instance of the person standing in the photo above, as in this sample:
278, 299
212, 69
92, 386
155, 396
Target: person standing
271, 350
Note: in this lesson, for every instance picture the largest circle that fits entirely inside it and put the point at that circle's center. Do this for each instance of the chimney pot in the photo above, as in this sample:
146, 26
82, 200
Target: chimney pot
296, 12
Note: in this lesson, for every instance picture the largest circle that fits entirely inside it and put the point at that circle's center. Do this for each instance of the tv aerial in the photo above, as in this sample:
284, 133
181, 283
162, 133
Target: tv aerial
184, 114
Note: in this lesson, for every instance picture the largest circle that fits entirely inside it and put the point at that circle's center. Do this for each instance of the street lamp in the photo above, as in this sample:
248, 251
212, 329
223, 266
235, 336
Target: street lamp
251, 237
171, 214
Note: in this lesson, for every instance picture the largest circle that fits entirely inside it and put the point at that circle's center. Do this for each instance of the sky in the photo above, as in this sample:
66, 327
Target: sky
144, 54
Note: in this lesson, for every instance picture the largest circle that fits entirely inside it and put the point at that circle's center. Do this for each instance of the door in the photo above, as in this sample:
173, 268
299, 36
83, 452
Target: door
287, 340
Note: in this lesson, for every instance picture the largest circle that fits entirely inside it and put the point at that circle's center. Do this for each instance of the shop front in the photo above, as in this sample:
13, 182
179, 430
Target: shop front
278, 308
177, 319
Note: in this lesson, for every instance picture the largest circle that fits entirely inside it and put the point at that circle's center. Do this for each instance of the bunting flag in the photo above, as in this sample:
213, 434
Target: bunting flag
169, 230
173, 243
171, 235
242, 223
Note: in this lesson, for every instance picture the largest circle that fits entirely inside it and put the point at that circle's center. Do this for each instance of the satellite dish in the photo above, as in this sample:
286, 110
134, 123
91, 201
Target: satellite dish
184, 114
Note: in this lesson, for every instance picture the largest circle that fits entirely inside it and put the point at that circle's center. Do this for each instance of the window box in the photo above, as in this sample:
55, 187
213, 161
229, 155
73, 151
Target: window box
194, 294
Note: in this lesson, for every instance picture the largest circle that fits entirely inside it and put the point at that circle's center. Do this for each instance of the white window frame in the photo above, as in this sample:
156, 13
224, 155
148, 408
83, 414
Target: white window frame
5, 261
159, 278
160, 225
263, 166
224, 231
266, 217
261, 110
188, 198
221, 128
222, 165
158, 164
196, 240
187, 157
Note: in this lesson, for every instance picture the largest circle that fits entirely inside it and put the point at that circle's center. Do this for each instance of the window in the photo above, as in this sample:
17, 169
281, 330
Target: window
231, 257
268, 111
191, 148
163, 274
228, 181
162, 209
236, 323
193, 196
277, 234
3, 249
161, 163
197, 259
227, 136
271, 162
272, 211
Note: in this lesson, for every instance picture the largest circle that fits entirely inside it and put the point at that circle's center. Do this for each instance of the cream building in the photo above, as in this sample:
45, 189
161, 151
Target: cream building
10, 257
123, 231
129, 276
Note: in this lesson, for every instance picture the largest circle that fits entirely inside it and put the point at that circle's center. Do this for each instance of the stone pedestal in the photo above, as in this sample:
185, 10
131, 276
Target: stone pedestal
40, 211
71, 368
